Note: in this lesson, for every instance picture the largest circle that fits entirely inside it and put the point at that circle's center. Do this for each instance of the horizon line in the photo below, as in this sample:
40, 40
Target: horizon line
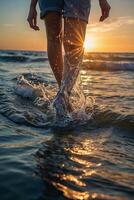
84, 52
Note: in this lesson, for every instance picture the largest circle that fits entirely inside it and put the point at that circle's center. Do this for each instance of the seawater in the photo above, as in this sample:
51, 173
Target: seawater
93, 160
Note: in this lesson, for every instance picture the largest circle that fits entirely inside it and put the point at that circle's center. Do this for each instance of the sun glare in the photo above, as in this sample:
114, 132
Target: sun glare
89, 44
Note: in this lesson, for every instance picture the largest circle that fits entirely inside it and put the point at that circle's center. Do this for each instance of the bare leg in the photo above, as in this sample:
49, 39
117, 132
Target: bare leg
53, 22
74, 35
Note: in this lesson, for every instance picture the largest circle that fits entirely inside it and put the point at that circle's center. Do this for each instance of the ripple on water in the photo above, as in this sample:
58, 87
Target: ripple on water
74, 165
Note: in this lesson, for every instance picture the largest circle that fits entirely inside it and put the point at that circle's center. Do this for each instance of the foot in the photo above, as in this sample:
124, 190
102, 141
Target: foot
60, 106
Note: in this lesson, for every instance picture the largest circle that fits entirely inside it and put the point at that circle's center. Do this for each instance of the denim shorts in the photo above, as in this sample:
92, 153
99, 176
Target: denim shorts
69, 8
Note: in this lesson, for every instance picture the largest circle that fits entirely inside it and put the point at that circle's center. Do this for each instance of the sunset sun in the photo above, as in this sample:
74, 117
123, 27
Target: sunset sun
89, 44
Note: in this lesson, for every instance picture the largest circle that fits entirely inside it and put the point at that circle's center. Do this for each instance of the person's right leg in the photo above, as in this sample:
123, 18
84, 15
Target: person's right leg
53, 22
74, 35
76, 15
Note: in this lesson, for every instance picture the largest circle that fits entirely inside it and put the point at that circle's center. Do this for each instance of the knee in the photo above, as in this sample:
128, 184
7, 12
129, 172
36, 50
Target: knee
72, 45
72, 49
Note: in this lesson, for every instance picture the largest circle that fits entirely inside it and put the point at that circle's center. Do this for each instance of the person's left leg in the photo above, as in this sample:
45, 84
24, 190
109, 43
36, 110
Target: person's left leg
53, 22
51, 13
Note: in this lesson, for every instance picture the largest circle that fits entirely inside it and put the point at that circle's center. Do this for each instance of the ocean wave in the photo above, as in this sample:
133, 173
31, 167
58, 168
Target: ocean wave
38, 59
87, 64
100, 62
13, 58
21, 58
129, 57
105, 117
108, 66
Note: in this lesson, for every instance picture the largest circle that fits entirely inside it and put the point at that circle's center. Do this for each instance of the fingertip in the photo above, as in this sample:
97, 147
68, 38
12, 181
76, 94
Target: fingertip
36, 28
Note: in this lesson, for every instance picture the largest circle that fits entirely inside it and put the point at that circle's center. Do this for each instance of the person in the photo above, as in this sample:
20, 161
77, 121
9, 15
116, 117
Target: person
75, 14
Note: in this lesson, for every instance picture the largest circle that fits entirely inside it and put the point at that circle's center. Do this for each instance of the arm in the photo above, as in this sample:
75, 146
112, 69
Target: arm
105, 9
32, 16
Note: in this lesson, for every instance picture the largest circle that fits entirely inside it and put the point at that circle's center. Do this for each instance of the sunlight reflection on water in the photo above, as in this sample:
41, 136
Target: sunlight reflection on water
65, 163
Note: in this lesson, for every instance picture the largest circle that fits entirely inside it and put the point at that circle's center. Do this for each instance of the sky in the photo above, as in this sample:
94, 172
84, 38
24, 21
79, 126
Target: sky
116, 34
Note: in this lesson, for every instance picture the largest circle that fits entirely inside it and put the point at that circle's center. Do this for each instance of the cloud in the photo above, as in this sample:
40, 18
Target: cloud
111, 24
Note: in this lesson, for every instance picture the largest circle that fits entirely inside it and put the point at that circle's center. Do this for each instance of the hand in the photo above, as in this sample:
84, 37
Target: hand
32, 18
105, 9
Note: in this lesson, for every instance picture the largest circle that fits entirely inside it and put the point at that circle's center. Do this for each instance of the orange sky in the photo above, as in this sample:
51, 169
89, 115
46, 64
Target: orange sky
115, 34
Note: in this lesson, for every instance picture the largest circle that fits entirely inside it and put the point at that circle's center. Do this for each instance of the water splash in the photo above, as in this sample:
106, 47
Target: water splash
42, 96
83, 105
28, 100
